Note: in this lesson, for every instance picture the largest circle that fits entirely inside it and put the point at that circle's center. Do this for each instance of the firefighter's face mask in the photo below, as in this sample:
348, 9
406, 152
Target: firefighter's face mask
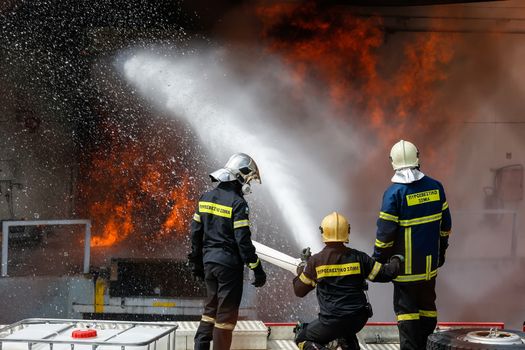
246, 175
246, 189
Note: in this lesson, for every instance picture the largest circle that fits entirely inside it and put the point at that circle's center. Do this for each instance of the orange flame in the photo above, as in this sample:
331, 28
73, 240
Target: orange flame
118, 225
129, 190
391, 93
178, 217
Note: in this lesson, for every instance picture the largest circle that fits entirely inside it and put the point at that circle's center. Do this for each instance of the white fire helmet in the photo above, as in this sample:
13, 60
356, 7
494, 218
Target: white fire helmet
240, 167
404, 154
335, 228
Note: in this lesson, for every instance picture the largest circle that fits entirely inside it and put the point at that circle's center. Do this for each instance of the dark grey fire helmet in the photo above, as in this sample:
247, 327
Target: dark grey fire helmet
240, 167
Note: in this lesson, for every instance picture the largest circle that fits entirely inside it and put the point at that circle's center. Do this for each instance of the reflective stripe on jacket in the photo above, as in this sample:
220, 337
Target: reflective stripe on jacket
415, 222
220, 228
339, 272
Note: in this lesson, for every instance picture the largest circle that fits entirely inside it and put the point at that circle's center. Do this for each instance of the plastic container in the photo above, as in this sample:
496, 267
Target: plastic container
52, 334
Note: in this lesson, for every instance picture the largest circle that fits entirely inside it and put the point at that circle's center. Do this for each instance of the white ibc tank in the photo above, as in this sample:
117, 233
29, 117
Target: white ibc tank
52, 334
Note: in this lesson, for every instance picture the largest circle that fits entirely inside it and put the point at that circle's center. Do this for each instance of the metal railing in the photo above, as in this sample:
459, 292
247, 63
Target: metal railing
5, 237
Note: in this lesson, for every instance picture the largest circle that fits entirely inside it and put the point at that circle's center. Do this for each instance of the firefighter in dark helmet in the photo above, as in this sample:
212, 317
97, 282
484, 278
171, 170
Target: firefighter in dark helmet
339, 274
414, 221
221, 247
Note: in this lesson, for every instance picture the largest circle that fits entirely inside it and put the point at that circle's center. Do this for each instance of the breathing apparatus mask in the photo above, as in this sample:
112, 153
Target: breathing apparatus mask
240, 167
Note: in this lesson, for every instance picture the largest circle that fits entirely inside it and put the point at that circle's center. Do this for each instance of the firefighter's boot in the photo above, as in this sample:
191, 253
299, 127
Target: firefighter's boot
222, 338
310, 345
203, 336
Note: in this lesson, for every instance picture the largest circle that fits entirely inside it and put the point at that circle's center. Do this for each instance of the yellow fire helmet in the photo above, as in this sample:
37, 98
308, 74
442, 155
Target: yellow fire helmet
404, 154
335, 228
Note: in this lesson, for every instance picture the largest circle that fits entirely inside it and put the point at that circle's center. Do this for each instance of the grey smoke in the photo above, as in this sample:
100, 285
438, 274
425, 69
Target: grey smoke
226, 112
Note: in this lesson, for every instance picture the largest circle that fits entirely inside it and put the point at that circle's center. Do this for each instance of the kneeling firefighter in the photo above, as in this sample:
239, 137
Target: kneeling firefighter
221, 246
339, 274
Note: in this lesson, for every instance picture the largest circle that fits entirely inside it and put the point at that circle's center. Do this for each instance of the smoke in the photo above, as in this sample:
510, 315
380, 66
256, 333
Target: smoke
484, 92
466, 120
231, 113
453, 89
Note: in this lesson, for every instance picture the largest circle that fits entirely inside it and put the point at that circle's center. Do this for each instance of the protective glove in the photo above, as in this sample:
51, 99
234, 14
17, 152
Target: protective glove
300, 267
196, 265
396, 262
399, 257
441, 260
198, 271
305, 254
443, 245
260, 276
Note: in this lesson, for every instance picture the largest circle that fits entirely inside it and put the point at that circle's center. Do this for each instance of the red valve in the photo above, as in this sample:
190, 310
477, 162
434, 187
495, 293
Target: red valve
84, 333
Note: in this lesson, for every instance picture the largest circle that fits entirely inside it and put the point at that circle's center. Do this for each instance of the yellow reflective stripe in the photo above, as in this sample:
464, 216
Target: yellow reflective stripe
228, 326
444, 233
389, 217
254, 264
408, 250
429, 266
375, 270
241, 223
301, 345
197, 217
407, 317
306, 280
207, 319
215, 209
100, 290
413, 278
445, 206
338, 270
428, 313
422, 197
383, 244
163, 304
421, 220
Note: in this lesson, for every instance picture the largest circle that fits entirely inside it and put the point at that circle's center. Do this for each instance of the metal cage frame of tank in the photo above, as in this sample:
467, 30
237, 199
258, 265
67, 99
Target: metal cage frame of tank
169, 332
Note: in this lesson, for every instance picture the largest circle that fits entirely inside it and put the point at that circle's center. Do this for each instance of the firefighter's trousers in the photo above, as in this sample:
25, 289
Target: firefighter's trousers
415, 308
317, 334
224, 291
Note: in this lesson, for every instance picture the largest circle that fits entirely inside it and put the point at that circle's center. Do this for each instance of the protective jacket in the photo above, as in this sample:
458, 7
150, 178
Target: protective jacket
414, 221
220, 230
339, 273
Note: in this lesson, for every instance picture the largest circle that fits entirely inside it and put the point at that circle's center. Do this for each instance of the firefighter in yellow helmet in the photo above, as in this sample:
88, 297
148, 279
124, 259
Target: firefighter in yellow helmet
339, 274
415, 221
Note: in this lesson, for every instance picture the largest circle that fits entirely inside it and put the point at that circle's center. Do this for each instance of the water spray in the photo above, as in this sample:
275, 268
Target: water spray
225, 116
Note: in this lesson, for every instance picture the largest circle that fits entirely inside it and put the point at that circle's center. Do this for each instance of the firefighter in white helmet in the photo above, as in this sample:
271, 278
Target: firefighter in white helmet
414, 221
221, 247
339, 274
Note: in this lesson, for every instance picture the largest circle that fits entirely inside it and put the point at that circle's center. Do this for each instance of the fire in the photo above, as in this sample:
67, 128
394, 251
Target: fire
335, 49
118, 225
135, 189
387, 89
390, 90
178, 217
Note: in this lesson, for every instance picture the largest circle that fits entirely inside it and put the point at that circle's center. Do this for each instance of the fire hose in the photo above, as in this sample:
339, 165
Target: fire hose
277, 258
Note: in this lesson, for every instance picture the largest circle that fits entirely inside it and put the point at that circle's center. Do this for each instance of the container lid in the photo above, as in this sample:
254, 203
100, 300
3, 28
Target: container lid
84, 333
